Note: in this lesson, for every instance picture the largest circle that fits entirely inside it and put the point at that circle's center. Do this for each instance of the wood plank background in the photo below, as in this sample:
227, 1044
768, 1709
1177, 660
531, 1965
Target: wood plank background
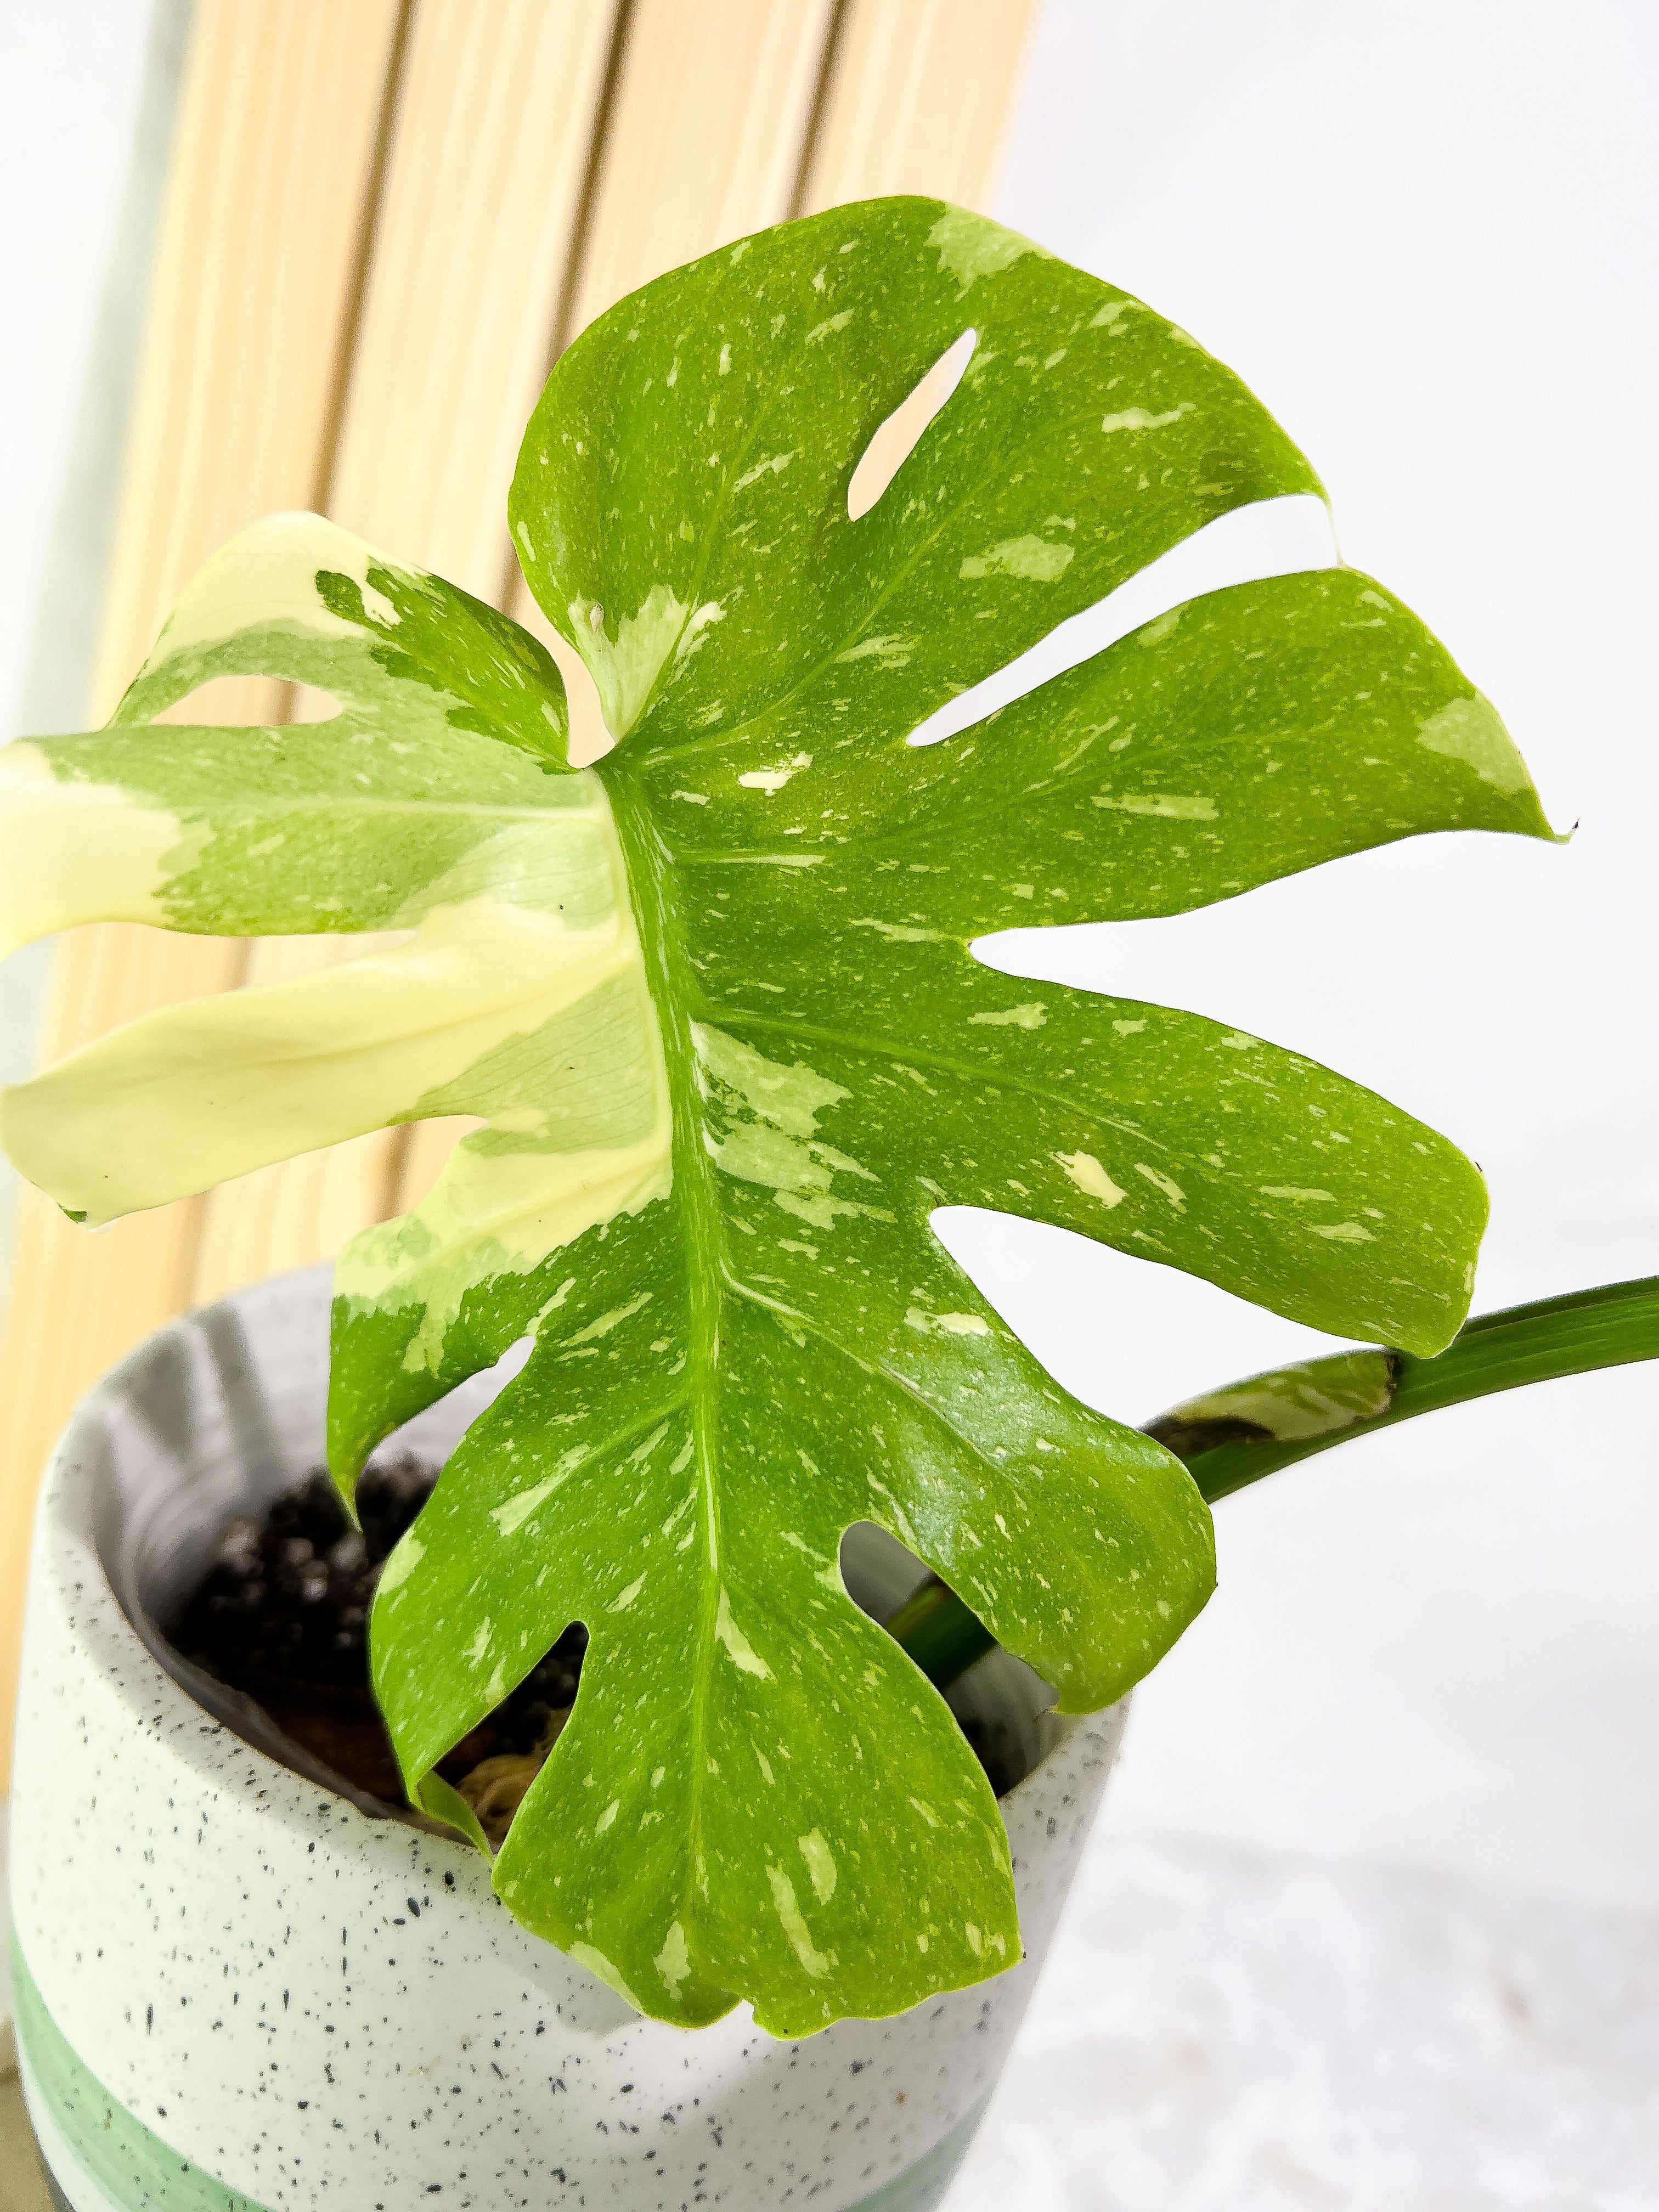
384, 222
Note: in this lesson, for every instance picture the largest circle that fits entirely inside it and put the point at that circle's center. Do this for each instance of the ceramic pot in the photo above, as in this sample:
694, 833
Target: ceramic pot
238, 1988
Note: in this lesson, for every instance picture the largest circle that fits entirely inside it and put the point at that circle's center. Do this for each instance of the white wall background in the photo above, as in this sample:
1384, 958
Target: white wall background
70, 107
86, 101
1425, 235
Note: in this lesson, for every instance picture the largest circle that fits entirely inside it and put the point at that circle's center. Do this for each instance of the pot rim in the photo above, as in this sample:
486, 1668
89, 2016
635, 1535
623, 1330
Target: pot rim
216, 1845
241, 1717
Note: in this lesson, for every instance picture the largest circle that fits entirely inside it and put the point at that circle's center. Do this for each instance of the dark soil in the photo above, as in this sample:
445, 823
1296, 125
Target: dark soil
282, 1615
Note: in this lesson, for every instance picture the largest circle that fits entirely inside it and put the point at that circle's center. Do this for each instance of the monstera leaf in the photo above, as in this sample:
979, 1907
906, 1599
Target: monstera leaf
713, 1004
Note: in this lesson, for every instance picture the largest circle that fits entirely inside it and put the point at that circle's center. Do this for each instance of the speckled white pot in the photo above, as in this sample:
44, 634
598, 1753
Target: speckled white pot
237, 1990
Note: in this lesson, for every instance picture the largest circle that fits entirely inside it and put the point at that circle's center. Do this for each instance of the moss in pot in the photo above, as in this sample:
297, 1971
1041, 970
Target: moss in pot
713, 1002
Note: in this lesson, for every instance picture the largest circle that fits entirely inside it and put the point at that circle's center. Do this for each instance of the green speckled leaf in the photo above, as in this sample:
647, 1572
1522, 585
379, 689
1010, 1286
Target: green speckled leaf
713, 1004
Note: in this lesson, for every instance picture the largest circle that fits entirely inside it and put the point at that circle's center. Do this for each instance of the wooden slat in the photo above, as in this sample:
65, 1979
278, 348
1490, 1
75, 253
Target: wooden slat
468, 275
704, 140
914, 96
253, 287
483, 192
476, 276
255, 277
919, 99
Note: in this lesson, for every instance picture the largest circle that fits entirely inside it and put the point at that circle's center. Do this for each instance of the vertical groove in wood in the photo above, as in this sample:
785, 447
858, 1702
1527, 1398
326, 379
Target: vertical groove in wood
811, 136
294, 357
586, 203
707, 137
919, 100
483, 191
274, 144
484, 174
710, 117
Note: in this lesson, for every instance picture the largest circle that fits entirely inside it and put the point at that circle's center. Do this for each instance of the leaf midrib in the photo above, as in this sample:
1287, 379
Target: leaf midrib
1010, 449
679, 998
710, 1279
1004, 1079
649, 868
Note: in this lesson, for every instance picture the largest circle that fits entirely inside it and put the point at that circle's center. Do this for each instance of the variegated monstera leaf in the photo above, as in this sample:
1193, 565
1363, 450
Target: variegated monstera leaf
713, 1003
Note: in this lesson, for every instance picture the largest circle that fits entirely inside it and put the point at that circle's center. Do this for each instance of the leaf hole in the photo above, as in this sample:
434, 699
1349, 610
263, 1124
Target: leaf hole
1126, 1338
494, 1765
1270, 537
897, 438
1002, 1706
309, 704
239, 703
879, 1571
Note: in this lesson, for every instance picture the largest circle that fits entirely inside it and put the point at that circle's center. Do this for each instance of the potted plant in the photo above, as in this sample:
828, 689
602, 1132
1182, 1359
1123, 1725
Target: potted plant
712, 1003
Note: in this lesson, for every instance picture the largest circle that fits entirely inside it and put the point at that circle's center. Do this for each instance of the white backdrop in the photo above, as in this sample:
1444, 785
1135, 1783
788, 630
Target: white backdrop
85, 100
1425, 235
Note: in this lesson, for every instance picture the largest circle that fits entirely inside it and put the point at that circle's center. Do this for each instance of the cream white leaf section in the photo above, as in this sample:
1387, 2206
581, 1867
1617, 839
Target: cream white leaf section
75, 852
494, 1215
626, 655
493, 1008
268, 575
296, 596
969, 248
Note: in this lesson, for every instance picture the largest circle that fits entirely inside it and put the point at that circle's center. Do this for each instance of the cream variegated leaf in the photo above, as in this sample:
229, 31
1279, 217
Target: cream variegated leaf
713, 1004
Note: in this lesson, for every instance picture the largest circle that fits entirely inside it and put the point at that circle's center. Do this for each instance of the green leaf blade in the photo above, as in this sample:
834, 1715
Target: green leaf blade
1169, 1136
719, 1684
296, 597
713, 1006
722, 412
1241, 737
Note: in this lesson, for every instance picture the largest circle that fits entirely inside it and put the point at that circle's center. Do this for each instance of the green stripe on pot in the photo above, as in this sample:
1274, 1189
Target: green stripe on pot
922, 2186
102, 2159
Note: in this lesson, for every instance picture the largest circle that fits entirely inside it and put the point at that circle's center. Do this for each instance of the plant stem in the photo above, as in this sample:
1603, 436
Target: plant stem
1233, 1436
940, 1633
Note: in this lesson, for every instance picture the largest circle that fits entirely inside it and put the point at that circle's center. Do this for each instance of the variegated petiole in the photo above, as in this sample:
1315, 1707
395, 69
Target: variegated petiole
1232, 1436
